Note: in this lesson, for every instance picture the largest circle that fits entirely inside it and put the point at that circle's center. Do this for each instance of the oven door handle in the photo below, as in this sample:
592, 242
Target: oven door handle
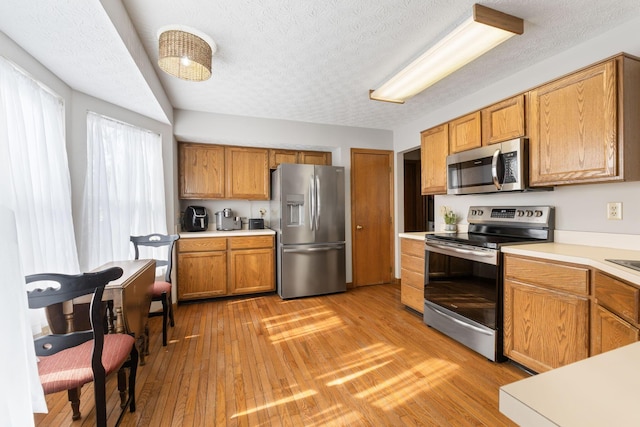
461, 323
463, 251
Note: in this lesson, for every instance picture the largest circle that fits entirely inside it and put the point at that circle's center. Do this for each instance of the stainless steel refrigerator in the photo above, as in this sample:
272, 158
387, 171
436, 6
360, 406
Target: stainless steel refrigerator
307, 213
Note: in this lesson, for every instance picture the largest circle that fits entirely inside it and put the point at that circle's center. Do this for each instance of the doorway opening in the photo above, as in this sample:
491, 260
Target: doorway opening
418, 209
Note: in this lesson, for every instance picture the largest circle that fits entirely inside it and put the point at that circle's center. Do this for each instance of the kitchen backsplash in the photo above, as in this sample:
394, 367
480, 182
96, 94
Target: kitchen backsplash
242, 208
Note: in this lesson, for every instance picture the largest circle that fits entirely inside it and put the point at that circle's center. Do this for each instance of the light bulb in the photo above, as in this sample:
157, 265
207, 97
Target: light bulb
185, 61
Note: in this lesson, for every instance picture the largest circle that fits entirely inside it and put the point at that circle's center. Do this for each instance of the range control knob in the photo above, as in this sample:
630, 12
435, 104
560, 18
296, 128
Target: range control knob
473, 212
520, 212
538, 213
479, 212
529, 213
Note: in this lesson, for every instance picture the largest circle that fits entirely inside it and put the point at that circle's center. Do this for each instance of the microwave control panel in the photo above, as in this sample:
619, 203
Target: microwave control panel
510, 167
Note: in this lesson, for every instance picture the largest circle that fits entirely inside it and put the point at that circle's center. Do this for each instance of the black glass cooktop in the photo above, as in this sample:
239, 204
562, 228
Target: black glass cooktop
480, 240
630, 263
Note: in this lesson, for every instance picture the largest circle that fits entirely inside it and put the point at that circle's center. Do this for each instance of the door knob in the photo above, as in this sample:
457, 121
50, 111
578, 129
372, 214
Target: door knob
358, 227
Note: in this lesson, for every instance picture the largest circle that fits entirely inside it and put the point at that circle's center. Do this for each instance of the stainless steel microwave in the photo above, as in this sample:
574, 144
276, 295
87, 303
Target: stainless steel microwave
494, 168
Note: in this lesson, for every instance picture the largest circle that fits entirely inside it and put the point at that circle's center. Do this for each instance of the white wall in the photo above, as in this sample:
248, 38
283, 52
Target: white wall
578, 207
76, 106
194, 126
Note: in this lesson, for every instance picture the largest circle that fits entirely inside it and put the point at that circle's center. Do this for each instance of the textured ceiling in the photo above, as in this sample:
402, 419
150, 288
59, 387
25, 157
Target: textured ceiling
307, 61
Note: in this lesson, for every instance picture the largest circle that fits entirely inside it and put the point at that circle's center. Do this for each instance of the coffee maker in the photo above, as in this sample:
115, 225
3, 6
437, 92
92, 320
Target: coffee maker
225, 221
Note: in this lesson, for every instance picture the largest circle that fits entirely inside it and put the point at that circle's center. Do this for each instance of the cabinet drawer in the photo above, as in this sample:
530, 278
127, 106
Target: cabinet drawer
251, 242
412, 297
413, 279
617, 296
203, 244
412, 247
412, 263
551, 275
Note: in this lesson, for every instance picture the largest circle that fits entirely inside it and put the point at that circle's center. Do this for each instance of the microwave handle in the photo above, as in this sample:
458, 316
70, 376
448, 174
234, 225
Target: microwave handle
494, 170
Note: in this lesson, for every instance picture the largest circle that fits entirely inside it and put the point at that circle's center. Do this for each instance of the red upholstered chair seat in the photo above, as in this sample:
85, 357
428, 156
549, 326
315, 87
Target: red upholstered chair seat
159, 288
71, 368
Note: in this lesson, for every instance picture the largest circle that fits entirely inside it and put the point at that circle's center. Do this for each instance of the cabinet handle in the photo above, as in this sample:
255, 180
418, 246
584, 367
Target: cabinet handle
359, 227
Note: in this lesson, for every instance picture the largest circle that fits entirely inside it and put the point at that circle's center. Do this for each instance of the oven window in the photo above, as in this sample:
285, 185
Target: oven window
466, 287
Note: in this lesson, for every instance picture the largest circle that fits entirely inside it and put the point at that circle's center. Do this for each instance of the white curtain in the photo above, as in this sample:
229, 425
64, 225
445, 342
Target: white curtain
124, 190
34, 181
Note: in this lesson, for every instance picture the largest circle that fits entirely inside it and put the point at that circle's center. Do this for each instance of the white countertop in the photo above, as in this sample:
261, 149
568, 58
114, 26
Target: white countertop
233, 233
599, 391
415, 235
592, 256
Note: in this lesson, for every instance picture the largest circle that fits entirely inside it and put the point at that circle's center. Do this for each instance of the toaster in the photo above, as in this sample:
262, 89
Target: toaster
195, 218
256, 223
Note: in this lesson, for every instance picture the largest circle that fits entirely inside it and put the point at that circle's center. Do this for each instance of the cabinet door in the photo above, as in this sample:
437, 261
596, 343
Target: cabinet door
202, 274
251, 270
412, 274
544, 329
282, 156
434, 148
503, 121
573, 133
247, 173
201, 170
314, 158
609, 332
464, 133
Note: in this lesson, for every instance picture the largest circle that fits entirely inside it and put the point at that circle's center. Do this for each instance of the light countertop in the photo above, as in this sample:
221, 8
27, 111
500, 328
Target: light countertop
415, 235
233, 233
599, 391
592, 256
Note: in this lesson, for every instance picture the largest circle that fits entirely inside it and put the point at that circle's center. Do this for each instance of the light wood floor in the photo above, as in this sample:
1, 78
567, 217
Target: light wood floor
357, 358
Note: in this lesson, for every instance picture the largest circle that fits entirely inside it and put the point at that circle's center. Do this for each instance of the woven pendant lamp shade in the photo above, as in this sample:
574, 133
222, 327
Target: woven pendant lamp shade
185, 55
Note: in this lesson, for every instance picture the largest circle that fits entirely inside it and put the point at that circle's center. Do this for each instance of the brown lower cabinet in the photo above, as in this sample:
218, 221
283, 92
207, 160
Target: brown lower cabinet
412, 273
557, 313
546, 312
211, 267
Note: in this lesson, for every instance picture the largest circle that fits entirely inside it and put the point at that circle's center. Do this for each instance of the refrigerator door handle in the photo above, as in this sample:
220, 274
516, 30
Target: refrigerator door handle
318, 200
324, 248
312, 202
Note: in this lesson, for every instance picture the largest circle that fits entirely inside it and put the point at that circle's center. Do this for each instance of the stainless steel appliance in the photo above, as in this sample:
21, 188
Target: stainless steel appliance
494, 168
463, 273
308, 215
225, 221
195, 218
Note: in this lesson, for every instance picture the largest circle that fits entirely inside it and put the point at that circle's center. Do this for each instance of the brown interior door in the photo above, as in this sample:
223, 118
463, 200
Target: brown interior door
371, 216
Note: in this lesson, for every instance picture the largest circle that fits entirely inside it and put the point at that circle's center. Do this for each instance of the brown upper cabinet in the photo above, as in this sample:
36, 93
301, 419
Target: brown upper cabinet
223, 172
504, 120
314, 157
464, 133
247, 173
584, 127
277, 156
201, 171
434, 148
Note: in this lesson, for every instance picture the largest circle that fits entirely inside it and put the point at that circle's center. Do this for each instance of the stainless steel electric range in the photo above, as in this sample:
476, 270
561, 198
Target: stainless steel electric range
463, 294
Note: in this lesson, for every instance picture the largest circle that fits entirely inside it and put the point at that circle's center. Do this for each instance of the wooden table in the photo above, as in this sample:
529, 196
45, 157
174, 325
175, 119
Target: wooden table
129, 299
131, 296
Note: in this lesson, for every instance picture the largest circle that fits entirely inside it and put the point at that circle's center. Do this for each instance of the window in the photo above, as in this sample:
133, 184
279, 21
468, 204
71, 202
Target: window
35, 186
124, 190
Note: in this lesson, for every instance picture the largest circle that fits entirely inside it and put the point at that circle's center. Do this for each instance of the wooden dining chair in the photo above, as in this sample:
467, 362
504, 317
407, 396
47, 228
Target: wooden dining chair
161, 288
68, 361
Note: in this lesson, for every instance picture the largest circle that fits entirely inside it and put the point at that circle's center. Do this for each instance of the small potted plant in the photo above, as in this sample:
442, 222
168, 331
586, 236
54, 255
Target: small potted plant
449, 217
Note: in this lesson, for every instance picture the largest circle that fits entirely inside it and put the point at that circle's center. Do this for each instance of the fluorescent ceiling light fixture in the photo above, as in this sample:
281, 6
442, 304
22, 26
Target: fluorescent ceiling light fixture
483, 31
185, 53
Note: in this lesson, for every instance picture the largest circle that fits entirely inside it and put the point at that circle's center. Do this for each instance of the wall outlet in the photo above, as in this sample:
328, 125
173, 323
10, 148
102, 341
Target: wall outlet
614, 210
